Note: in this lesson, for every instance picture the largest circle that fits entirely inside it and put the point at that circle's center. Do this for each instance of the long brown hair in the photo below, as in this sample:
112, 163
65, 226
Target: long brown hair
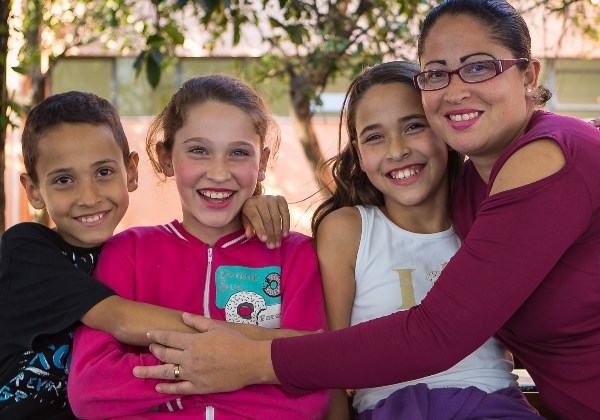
350, 185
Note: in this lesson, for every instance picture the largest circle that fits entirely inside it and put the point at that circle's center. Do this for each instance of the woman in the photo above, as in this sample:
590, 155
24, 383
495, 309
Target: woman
527, 208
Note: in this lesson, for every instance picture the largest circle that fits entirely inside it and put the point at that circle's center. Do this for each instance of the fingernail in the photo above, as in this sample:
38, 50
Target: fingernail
263, 238
270, 245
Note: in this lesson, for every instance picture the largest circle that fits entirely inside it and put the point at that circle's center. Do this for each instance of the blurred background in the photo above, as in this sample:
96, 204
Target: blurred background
300, 55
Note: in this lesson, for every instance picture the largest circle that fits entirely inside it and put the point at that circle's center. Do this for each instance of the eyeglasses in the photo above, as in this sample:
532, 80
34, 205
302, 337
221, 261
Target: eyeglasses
470, 73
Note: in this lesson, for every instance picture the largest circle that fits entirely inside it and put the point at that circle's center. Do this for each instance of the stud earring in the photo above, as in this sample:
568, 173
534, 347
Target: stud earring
528, 90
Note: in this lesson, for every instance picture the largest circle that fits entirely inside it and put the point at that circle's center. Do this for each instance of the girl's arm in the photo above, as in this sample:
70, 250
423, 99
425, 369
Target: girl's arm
338, 239
268, 217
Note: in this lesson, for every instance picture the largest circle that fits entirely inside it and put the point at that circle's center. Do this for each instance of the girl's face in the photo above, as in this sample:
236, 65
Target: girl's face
399, 152
217, 161
481, 119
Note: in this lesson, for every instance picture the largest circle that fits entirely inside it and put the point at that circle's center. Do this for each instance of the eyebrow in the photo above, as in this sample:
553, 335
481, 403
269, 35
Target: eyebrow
205, 140
461, 59
401, 119
68, 169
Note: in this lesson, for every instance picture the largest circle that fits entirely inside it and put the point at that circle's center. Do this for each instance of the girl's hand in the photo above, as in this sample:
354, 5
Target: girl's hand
268, 217
219, 360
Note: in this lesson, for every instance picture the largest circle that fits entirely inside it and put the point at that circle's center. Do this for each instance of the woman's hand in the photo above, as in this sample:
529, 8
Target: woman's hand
268, 217
219, 360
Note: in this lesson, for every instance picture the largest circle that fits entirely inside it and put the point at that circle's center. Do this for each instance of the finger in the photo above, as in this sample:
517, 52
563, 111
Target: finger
166, 371
182, 387
285, 215
273, 206
176, 340
248, 229
197, 322
166, 354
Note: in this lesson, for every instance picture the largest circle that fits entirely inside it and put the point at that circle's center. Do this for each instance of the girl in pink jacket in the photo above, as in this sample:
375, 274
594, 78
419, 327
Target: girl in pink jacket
213, 138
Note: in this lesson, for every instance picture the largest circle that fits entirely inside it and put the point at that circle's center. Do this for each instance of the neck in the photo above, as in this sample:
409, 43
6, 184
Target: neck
210, 234
428, 217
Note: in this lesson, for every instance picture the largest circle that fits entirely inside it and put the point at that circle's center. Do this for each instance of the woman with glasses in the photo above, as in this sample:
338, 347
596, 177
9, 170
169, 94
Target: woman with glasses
527, 208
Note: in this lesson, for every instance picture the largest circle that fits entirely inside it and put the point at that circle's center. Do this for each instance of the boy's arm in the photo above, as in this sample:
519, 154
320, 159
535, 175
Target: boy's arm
338, 239
129, 321
41, 292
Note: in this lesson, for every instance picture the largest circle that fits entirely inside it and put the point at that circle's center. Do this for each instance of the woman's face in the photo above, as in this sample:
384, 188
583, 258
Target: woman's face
478, 119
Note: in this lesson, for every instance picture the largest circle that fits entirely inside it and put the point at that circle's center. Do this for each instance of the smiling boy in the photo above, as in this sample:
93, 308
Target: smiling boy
79, 167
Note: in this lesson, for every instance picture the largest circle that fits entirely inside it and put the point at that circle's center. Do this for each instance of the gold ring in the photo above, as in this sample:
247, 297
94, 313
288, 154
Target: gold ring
176, 370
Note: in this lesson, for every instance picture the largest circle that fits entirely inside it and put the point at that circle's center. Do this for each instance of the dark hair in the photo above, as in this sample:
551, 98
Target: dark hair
198, 90
505, 25
68, 108
351, 186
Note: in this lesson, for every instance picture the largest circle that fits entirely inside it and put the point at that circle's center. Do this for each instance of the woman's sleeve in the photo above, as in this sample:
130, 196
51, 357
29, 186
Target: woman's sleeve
512, 246
101, 383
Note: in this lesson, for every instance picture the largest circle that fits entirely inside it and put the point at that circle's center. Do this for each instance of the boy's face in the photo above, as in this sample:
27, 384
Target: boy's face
83, 182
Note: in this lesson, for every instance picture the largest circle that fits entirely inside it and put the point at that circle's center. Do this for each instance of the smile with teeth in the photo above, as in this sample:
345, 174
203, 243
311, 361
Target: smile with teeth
464, 117
92, 218
406, 173
216, 195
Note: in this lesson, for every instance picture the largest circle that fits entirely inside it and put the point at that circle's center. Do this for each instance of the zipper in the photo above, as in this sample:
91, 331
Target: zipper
207, 284
210, 412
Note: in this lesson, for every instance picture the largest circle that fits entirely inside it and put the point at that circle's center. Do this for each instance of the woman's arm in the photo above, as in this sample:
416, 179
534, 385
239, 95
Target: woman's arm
497, 268
338, 239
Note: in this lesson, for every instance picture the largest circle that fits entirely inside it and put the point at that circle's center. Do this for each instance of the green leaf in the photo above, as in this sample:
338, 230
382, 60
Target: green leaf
176, 36
139, 63
19, 70
156, 55
152, 71
155, 39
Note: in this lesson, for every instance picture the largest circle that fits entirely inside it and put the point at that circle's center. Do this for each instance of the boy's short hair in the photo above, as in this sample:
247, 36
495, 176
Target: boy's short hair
71, 108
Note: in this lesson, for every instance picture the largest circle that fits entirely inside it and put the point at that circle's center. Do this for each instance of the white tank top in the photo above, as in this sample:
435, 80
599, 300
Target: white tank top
394, 271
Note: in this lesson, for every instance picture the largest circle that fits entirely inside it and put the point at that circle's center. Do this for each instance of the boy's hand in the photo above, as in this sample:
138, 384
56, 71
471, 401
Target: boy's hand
268, 217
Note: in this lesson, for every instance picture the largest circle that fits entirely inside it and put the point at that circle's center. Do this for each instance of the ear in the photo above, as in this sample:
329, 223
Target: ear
33, 192
262, 169
132, 171
532, 73
164, 158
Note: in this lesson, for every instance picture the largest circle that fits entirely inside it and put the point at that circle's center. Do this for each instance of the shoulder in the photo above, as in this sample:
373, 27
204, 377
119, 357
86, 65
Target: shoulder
538, 154
28, 229
341, 220
341, 227
31, 235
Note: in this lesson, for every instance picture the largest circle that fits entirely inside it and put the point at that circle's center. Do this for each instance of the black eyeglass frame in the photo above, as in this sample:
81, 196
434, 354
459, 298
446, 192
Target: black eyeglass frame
500, 65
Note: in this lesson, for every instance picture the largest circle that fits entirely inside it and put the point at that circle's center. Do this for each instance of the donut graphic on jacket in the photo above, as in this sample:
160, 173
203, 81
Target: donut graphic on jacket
244, 308
272, 285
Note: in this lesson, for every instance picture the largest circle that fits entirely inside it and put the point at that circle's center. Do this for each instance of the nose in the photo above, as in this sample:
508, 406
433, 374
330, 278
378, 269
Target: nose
218, 170
89, 194
456, 91
398, 148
